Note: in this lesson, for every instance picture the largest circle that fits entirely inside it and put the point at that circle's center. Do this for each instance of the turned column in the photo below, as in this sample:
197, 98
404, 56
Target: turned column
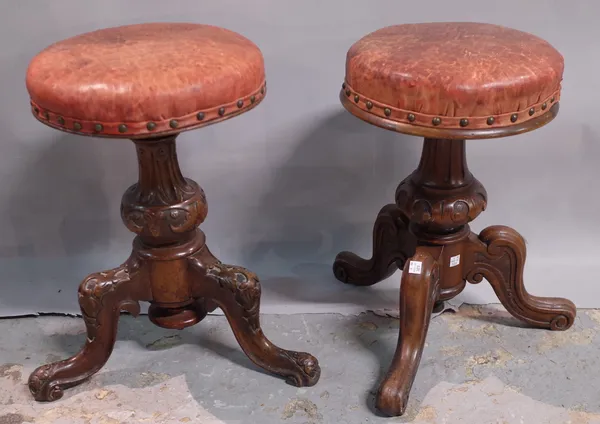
165, 209
440, 198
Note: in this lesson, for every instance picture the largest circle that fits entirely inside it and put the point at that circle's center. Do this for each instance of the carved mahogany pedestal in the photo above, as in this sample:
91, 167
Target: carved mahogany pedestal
447, 82
161, 79
425, 233
172, 268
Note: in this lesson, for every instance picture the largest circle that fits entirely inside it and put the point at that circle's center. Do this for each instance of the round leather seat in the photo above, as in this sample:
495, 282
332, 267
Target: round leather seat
145, 80
452, 76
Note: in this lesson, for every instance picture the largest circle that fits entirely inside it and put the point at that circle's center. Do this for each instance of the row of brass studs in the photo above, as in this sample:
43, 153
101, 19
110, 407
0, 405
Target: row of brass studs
464, 122
150, 126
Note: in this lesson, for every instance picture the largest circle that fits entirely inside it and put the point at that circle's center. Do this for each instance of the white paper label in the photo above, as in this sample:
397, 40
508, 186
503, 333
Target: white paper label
414, 267
454, 260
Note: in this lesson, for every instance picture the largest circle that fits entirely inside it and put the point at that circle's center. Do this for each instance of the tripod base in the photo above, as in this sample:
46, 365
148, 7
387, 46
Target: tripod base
172, 268
426, 234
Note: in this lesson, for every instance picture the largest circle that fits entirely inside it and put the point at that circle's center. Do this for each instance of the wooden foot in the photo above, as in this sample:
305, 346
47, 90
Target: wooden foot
418, 293
498, 255
237, 292
392, 244
101, 297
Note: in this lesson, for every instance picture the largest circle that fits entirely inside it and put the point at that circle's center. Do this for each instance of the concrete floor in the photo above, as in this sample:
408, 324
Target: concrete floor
479, 366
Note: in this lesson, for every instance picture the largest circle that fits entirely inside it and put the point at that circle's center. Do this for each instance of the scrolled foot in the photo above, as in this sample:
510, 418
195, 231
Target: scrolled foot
237, 292
101, 297
391, 399
498, 255
392, 244
308, 371
41, 385
418, 293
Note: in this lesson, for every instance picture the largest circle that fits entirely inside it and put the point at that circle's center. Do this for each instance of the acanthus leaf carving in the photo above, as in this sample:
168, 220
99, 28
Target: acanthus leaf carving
101, 295
160, 221
245, 287
306, 363
424, 205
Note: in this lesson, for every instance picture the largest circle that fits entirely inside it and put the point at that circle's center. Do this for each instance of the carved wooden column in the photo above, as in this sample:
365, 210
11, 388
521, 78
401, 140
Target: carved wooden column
165, 209
439, 199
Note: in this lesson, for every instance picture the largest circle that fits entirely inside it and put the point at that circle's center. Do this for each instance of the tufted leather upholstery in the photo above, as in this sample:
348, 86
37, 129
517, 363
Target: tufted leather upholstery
453, 75
144, 80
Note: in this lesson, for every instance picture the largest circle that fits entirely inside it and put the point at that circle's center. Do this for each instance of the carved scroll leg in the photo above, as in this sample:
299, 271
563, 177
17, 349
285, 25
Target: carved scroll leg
392, 244
101, 297
499, 257
418, 292
237, 292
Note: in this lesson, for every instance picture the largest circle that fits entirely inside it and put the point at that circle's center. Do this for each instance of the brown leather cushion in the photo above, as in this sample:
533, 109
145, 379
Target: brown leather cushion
453, 75
143, 80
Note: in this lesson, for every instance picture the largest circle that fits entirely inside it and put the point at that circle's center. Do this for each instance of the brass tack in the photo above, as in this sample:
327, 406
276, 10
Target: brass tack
436, 121
240, 103
222, 111
46, 115
77, 126
464, 122
343, 86
252, 99
369, 105
173, 123
356, 98
387, 111
531, 111
348, 93
98, 127
150, 126
122, 128
411, 117
36, 110
552, 99
491, 120
200, 116
61, 120
544, 106
514, 117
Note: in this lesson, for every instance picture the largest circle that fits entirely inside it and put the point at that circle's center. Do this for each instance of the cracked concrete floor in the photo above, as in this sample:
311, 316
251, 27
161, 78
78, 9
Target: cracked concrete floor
479, 366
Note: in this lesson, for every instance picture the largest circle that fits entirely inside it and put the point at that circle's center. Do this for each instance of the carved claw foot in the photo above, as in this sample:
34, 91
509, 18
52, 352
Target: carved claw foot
101, 297
237, 292
418, 293
499, 257
392, 244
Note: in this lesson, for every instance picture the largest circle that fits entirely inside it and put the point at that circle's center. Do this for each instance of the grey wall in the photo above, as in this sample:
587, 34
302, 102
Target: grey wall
297, 179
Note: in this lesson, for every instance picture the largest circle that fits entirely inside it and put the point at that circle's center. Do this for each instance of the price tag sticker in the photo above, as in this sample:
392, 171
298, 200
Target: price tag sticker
415, 267
454, 260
